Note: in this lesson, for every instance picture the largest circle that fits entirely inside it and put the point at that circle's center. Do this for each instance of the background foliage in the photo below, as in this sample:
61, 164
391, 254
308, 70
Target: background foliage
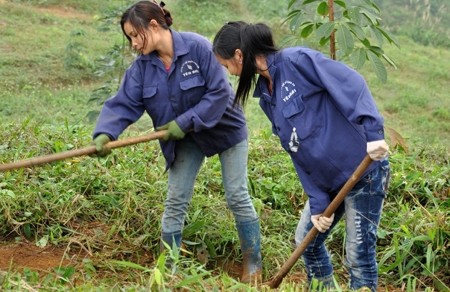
61, 59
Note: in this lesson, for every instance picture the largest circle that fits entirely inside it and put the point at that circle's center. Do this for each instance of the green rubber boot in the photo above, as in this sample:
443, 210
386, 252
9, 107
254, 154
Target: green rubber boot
250, 238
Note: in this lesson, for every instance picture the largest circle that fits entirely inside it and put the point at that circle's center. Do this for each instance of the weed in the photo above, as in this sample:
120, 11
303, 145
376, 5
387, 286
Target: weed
110, 208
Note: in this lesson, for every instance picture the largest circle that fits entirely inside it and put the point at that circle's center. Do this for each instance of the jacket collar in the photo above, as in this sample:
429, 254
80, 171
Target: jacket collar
261, 89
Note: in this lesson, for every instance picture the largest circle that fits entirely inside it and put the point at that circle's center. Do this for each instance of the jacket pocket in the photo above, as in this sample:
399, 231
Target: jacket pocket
192, 82
192, 91
304, 121
149, 91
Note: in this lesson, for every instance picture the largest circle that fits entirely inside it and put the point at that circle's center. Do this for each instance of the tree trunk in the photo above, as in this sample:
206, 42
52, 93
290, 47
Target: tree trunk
332, 36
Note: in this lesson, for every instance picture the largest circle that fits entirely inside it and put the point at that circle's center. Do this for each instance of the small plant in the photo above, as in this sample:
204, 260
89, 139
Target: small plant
75, 57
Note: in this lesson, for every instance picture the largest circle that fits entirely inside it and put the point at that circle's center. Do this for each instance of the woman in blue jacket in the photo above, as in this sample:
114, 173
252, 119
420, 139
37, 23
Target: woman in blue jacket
326, 119
177, 80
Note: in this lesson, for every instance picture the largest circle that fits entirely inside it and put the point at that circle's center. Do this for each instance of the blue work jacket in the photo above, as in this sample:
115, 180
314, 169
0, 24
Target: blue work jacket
324, 115
194, 92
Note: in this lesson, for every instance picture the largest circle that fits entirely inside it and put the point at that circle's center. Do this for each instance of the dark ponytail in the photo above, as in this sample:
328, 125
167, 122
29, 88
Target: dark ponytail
253, 40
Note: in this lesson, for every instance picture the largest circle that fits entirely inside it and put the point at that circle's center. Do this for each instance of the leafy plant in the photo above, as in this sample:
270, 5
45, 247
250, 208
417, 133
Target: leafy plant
109, 210
354, 27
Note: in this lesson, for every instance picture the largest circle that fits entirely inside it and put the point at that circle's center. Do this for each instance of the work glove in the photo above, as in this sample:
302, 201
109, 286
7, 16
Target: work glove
99, 143
377, 150
322, 223
174, 131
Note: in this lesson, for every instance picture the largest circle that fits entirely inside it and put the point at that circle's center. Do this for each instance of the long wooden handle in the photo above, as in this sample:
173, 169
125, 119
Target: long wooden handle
348, 186
79, 152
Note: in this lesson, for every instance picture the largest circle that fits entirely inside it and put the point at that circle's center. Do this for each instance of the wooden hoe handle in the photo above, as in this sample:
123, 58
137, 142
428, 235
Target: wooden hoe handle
348, 186
79, 152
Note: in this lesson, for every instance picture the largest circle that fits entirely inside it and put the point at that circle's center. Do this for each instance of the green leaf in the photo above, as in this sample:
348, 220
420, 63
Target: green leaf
193, 279
421, 238
410, 264
344, 39
403, 226
389, 255
356, 30
196, 215
291, 2
377, 35
429, 258
132, 265
353, 14
323, 41
341, 3
373, 19
43, 241
8, 193
307, 30
308, 2
388, 36
358, 58
161, 262
391, 62
325, 29
377, 50
65, 273
193, 227
294, 14
378, 67
366, 43
158, 277
322, 8
27, 230
372, 5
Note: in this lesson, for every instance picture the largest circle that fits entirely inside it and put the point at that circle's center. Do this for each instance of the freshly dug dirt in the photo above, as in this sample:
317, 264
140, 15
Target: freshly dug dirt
16, 256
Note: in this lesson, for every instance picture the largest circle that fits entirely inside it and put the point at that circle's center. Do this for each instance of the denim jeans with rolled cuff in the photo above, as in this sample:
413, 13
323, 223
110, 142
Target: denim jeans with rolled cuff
362, 208
182, 175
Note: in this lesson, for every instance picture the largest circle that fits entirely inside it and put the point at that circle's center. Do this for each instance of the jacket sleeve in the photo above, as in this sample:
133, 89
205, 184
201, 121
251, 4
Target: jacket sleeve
122, 109
208, 112
347, 89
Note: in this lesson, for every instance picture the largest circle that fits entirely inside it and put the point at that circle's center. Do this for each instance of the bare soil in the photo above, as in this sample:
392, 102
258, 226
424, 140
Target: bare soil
17, 256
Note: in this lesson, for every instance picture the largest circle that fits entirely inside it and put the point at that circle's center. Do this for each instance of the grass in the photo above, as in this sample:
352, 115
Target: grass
112, 207
418, 88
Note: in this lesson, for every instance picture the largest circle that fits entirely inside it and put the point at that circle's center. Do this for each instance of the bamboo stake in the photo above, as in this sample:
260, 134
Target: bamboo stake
348, 186
79, 152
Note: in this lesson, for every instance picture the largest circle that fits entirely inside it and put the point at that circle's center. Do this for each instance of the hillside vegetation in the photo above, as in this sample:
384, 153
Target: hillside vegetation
59, 60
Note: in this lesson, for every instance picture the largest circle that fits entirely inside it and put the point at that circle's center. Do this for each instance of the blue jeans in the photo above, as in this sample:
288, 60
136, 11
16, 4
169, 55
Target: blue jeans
362, 208
182, 175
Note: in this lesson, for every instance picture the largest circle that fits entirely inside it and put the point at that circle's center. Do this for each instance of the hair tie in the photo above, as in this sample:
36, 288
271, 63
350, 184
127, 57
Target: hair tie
160, 5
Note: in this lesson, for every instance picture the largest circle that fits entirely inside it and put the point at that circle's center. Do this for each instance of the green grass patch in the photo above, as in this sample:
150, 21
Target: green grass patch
57, 55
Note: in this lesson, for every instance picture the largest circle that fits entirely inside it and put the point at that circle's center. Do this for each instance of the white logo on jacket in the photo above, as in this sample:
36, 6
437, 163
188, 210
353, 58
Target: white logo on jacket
189, 68
293, 144
287, 90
